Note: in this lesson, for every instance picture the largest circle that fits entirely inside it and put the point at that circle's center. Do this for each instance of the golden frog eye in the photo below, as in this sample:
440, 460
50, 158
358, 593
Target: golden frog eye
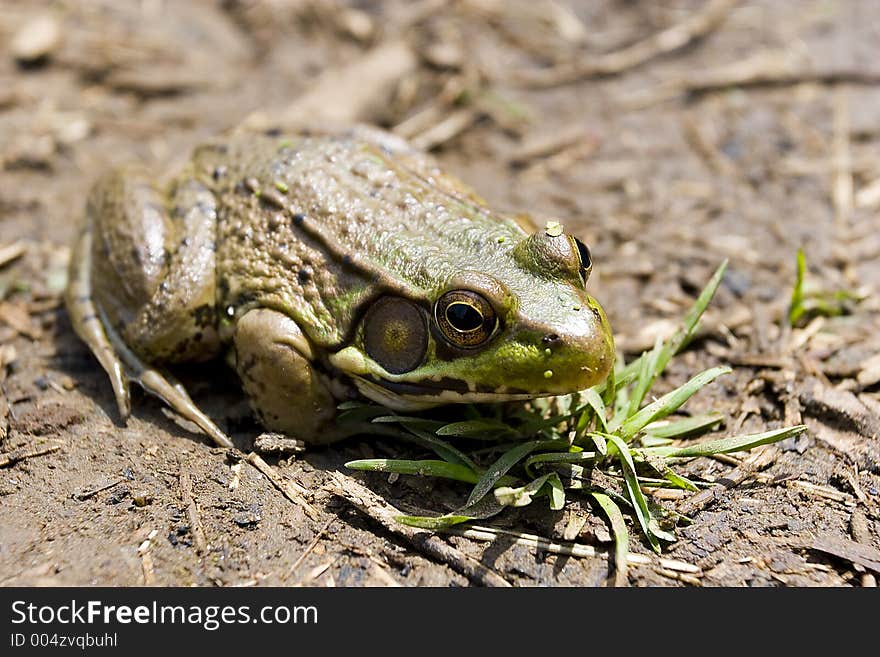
396, 334
465, 318
586, 260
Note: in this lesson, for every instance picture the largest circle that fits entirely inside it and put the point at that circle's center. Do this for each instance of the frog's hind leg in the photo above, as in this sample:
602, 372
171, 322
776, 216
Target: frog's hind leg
120, 363
94, 321
88, 324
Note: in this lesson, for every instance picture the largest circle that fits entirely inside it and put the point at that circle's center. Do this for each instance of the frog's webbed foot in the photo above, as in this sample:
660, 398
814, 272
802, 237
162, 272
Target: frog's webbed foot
167, 388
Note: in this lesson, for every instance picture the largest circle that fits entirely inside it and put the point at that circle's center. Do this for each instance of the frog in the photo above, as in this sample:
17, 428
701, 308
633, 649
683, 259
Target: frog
328, 266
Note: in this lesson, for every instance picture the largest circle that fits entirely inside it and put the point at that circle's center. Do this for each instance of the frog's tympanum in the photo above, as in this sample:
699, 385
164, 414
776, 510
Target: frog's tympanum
327, 267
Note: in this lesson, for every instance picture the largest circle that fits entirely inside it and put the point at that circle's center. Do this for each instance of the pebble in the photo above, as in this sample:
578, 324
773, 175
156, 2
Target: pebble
36, 40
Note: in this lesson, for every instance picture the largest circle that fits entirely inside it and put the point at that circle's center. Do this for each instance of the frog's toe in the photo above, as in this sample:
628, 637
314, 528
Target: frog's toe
174, 394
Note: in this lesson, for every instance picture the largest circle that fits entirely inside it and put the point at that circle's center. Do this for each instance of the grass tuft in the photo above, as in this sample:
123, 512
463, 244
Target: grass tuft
605, 446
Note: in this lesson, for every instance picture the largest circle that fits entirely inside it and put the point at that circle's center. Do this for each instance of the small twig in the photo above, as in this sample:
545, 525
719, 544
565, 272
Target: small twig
760, 459
235, 481
861, 534
549, 143
681, 577
10, 252
819, 491
291, 490
147, 560
857, 553
773, 68
842, 186
666, 41
94, 491
454, 124
425, 542
480, 533
311, 546
192, 512
17, 455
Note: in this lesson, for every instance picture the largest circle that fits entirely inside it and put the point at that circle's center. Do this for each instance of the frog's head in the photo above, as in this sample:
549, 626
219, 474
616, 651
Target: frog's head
522, 326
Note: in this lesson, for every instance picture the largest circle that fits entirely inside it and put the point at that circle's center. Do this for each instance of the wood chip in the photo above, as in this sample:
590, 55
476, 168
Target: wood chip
819, 491
858, 553
870, 372
345, 95
27, 452
192, 511
868, 197
36, 40
16, 316
542, 144
840, 407
277, 443
451, 126
147, 560
10, 252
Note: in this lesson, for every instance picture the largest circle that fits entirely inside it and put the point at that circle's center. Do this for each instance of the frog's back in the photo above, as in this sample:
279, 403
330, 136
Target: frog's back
317, 225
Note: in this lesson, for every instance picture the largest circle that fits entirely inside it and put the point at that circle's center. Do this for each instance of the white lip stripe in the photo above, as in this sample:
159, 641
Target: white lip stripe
380, 395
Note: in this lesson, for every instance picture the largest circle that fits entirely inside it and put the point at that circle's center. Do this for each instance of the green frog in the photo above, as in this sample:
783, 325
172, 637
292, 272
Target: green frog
329, 266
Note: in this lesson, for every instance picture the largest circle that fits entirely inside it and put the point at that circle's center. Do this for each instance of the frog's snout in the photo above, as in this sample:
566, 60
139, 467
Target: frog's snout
580, 358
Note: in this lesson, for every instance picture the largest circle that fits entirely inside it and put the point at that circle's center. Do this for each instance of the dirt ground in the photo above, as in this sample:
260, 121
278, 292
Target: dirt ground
669, 136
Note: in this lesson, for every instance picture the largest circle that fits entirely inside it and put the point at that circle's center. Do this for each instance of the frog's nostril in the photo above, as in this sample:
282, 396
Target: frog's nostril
550, 338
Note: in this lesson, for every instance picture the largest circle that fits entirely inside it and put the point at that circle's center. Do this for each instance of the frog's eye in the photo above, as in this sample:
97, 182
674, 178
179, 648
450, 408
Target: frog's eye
586, 260
465, 318
396, 334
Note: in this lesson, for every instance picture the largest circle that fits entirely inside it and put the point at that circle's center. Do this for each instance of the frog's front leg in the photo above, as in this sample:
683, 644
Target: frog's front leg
275, 362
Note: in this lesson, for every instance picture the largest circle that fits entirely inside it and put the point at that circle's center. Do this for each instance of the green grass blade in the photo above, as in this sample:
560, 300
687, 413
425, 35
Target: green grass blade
480, 429
594, 401
669, 402
682, 337
600, 443
424, 468
727, 445
548, 484
429, 522
409, 420
648, 373
677, 480
557, 492
620, 534
687, 427
498, 469
443, 449
559, 457
796, 306
640, 504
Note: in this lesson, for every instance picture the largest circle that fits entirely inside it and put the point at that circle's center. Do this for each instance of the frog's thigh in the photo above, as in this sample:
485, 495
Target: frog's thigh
274, 360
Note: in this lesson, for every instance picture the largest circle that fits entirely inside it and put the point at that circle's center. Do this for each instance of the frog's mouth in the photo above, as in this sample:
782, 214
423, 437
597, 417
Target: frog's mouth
408, 396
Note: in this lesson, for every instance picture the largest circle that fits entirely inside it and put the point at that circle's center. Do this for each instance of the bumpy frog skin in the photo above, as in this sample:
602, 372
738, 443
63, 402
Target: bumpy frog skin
328, 266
